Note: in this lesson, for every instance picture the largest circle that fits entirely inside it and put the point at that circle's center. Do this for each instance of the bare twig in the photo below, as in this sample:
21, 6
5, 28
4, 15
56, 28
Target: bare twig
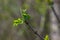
51, 4
27, 23
55, 14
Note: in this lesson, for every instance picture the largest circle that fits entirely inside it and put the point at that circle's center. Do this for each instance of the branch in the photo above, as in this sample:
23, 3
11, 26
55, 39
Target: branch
55, 14
34, 30
51, 4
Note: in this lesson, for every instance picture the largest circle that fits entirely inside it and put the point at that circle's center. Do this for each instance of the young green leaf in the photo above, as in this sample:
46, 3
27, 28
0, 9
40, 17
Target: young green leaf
25, 15
15, 24
46, 37
17, 21
20, 21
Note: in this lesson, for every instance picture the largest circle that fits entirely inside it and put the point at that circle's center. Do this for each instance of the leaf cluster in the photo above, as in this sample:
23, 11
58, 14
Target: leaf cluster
25, 16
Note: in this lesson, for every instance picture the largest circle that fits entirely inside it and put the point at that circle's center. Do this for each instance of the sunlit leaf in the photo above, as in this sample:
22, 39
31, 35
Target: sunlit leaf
17, 21
15, 24
20, 21
46, 37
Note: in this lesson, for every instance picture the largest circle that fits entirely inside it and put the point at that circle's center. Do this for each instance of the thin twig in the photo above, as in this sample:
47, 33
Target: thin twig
55, 14
53, 10
27, 23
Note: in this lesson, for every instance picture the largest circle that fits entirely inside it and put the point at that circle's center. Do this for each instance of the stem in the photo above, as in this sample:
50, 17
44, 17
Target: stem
54, 11
55, 14
34, 30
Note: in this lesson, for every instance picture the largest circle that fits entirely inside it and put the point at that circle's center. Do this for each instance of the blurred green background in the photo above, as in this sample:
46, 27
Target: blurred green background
10, 10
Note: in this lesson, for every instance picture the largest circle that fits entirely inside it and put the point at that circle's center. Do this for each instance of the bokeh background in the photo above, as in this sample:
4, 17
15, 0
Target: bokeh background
42, 19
